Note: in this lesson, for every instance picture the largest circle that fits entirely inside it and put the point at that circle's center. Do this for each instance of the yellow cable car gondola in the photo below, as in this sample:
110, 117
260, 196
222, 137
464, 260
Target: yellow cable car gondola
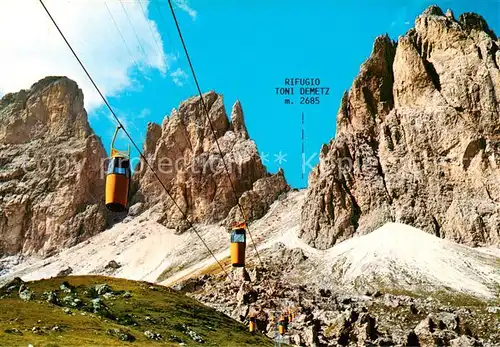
238, 244
282, 325
118, 178
252, 325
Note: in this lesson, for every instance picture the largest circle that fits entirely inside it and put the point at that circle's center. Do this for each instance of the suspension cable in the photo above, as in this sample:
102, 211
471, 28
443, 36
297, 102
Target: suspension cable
132, 57
160, 50
130, 138
121, 34
135, 33
163, 19
211, 126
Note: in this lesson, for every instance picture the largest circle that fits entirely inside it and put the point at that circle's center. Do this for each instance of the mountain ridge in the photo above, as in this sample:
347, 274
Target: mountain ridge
52, 176
417, 139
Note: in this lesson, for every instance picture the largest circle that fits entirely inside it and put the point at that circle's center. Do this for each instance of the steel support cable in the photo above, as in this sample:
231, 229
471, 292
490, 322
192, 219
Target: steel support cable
162, 17
184, 133
135, 33
130, 52
136, 65
160, 50
135, 62
121, 35
128, 135
204, 106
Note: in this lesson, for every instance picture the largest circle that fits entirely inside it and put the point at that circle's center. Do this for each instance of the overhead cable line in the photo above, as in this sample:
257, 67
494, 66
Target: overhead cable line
135, 33
158, 9
160, 49
211, 125
128, 135
162, 17
121, 35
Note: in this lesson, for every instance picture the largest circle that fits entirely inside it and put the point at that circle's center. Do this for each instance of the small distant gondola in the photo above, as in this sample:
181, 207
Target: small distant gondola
238, 244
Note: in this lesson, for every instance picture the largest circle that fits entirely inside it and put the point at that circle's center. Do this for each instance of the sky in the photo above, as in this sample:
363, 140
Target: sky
242, 49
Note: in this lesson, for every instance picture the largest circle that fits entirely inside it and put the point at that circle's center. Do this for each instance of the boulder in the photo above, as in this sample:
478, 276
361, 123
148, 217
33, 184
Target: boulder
464, 341
121, 335
65, 272
311, 335
102, 288
25, 293
246, 294
112, 265
153, 336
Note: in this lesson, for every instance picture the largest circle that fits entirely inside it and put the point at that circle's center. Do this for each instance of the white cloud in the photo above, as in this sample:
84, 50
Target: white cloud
31, 48
146, 112
184, 5
179, 76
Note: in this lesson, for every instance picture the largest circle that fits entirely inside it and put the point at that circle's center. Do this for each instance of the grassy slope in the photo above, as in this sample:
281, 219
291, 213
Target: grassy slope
168, 309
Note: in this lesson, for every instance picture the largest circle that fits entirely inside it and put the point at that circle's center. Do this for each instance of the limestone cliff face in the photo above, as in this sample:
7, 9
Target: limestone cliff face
51, 184
184, 153
418, 139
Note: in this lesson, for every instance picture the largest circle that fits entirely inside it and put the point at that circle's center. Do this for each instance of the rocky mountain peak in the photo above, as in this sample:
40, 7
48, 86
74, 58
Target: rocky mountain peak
370, 98
433, 10
474, 21
238, 121
449, 13
51, 182
417, 138
186, 157
52, 107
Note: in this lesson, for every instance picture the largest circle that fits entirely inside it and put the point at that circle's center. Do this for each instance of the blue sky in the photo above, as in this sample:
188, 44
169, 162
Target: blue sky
245, 49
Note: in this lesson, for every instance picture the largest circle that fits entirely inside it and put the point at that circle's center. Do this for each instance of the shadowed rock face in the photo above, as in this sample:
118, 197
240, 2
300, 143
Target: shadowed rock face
418, 139
51, 189
185, 155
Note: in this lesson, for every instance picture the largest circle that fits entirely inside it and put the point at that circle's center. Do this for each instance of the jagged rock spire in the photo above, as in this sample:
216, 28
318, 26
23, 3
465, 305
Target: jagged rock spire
188, 161
238, 121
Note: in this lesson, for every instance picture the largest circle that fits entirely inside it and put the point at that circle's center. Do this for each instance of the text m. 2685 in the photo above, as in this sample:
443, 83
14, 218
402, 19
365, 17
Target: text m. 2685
309, 100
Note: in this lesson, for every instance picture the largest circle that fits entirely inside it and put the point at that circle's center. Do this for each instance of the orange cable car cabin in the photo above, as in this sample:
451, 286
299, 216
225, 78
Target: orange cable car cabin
252, 325
238, 245
117, 179
282, 326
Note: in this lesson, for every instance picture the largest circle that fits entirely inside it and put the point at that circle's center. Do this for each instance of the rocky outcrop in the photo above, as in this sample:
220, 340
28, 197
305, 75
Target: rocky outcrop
186, 157
334, 317
255, 202
51, 182
418, 139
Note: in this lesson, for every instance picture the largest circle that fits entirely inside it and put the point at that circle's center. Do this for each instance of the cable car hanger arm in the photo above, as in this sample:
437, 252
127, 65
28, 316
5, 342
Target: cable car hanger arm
114, 152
